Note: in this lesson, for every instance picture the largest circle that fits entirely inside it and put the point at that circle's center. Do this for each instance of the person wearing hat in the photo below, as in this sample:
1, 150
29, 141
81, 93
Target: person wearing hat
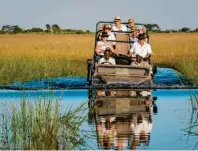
134, 36
107, 28
141, 48
107, 59
134, 40
103, 44
131, 24
117, 25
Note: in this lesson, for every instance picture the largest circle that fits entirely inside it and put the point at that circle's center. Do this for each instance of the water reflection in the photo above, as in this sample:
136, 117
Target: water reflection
123, 118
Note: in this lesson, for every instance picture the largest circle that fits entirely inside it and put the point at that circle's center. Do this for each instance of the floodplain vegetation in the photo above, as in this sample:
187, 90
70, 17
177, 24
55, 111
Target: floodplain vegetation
42, 124
25, 57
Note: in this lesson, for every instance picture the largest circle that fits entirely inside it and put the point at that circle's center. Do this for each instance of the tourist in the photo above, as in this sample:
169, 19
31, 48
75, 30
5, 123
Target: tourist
117, 25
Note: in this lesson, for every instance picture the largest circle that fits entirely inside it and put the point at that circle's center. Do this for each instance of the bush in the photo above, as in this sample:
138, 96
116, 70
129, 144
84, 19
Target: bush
2, 32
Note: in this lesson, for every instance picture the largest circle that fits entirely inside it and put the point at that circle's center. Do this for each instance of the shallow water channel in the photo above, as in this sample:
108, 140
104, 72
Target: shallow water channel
128, 119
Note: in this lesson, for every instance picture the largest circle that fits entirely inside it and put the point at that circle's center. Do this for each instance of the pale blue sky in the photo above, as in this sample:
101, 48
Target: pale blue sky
83, 14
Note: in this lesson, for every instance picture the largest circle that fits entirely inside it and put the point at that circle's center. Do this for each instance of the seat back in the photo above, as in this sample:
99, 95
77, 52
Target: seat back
121, 47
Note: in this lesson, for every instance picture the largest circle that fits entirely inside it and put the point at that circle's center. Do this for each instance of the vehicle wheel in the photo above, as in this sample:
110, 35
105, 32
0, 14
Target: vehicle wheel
154, 69
89, 71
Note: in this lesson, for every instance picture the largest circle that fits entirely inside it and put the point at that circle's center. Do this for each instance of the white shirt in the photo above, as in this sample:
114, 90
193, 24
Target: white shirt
145, 127
123, 28
134, 40
104, 61
111, 37
102, 47
133, 47
143, 51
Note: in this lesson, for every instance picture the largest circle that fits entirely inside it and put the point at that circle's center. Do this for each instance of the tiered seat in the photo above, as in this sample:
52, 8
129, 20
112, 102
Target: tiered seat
121, 47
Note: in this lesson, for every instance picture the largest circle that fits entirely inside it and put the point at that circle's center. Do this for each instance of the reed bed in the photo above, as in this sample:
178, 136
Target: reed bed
192, 129
42, 124
26, 57
178, 51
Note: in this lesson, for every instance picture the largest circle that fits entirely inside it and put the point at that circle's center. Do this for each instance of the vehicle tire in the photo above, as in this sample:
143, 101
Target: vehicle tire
89, 71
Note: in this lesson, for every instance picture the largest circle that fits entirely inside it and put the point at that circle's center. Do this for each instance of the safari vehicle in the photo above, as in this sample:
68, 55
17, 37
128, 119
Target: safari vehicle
122, 72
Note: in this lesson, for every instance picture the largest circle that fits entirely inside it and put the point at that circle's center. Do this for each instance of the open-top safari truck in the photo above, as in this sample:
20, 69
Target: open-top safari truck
122, 72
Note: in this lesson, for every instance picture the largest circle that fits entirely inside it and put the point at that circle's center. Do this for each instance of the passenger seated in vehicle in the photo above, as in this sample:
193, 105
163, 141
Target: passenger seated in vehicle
134, 36
141, 48
102, 45
142, 29
131, 24
107, 28
117, 25
141, 63
107, 59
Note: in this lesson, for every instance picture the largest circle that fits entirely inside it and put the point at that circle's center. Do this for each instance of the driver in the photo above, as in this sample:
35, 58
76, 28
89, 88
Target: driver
117, 25
107, 59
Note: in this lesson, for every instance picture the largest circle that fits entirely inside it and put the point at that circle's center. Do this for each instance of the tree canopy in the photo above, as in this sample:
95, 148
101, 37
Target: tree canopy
55, 28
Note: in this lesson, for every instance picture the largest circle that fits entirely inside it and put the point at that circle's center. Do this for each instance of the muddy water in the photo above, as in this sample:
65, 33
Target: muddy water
160, 125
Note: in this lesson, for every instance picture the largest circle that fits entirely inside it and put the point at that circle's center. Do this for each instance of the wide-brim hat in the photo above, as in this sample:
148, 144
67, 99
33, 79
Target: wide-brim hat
117, 18
107, 26
142, 36
104, 34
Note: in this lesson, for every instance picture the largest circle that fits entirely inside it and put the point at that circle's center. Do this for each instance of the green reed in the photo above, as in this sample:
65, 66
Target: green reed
43, 124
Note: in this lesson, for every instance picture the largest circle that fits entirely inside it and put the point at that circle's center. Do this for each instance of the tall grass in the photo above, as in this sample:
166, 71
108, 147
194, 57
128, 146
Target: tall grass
28, 57
192, 129
179, 51
42, 124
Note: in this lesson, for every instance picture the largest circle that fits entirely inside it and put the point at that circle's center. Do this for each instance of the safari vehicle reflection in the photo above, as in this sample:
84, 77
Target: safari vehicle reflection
123, 118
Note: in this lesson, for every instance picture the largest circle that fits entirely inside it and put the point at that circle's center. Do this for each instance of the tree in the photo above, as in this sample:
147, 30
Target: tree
153, 27
56, 28
17, 29
196, 30
185, 29
48, 27
36, 30
2, 32
7, 28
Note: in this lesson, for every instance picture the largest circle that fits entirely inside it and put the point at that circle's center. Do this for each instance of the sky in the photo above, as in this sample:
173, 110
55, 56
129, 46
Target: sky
83, 14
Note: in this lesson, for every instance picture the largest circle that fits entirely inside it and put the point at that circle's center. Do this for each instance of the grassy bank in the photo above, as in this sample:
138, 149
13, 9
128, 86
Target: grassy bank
27, 57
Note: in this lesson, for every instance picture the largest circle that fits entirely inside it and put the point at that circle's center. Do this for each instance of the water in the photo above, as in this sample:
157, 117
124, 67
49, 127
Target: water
123, 119
165, 78
168, 124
